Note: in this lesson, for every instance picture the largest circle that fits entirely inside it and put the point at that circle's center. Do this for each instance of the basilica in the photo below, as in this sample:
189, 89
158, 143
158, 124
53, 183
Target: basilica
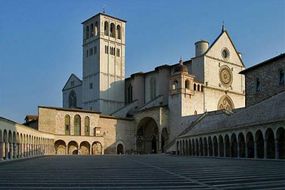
210, 105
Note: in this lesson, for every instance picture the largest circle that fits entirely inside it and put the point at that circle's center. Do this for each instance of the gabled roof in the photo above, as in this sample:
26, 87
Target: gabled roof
72, 75
224, 31
268, 61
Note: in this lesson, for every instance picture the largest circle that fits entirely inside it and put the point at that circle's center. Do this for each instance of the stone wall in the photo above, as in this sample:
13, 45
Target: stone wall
268, 75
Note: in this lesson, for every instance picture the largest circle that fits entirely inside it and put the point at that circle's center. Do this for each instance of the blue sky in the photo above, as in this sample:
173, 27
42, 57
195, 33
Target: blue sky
40, 40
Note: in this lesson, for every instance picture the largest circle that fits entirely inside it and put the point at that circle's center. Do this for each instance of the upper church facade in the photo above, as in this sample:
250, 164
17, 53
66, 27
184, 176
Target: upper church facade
209, 81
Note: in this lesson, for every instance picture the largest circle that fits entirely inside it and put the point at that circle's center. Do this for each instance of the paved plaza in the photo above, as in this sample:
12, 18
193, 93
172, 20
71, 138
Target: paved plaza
141, 172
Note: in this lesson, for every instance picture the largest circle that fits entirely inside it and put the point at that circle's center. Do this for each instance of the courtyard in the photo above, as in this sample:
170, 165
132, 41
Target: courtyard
141, 172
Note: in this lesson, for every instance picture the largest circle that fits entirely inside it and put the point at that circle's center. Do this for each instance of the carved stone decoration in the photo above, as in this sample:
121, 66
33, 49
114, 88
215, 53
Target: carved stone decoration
226, 76
225, 103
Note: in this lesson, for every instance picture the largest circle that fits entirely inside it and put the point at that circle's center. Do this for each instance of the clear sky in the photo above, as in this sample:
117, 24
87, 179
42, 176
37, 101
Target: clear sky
40, 40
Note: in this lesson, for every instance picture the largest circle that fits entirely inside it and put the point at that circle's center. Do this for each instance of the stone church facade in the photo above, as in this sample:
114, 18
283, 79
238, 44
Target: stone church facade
168, 109
161, 102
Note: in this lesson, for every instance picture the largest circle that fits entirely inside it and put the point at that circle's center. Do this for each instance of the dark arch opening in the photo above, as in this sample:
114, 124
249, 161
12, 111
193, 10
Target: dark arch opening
228, 146
197, 147
210, 146
205, 147
120, 149
259, 144
270, 143
193, 147
280, 135
241, 143
147, 136
221, 146
215, 146
250, 145
201, 147
234, 145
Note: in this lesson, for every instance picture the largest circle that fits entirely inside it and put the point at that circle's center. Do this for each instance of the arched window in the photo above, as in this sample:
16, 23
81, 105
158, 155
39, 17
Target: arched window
77, 125
112, 30
119, 32
194, 86
130, 94
225, 103
106, 28
175, 85
67, 124
281, 77
91, 30
257, 87
187, 84
152, 88
87, 126
72, 100
198, 87
96, 29
87, 32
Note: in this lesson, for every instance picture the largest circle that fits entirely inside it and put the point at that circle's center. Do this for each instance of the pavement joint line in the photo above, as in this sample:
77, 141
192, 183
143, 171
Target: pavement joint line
175, 174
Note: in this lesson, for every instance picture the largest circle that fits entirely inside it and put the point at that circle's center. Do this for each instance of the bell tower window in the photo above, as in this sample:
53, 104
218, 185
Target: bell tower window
118, 32
187, 84
106, 28
175, 85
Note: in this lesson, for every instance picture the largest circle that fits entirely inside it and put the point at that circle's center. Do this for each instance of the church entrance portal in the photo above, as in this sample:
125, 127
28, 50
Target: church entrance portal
147, 136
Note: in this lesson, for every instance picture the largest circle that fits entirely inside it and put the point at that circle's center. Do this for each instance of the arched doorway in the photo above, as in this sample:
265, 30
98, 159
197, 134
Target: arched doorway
201, 147
259, 144
147, 136
250, 145
120, 149
72, 148
193, 148
234, 145
210, 146
197, 148
221, 146
280, 135
177, 148
241, 144
270, 143
227, 146
84, 148
60, 147
215, 140
97, 148
205, 147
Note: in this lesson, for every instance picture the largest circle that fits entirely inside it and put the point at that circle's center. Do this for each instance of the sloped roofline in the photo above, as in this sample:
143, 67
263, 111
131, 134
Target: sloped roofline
72, 74
224, 31
271, 60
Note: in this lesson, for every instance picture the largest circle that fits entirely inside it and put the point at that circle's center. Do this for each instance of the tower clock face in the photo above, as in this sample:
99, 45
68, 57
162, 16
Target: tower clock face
226, 76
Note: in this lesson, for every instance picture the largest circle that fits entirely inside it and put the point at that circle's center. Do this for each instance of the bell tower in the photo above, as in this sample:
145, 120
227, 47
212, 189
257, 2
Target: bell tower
103, 63
181, 90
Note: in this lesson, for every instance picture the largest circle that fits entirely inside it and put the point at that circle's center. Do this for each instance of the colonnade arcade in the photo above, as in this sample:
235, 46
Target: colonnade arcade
78, 148
256, 143
15, 145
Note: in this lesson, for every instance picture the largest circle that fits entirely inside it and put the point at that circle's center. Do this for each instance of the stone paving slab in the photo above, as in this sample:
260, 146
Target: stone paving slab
141, 172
